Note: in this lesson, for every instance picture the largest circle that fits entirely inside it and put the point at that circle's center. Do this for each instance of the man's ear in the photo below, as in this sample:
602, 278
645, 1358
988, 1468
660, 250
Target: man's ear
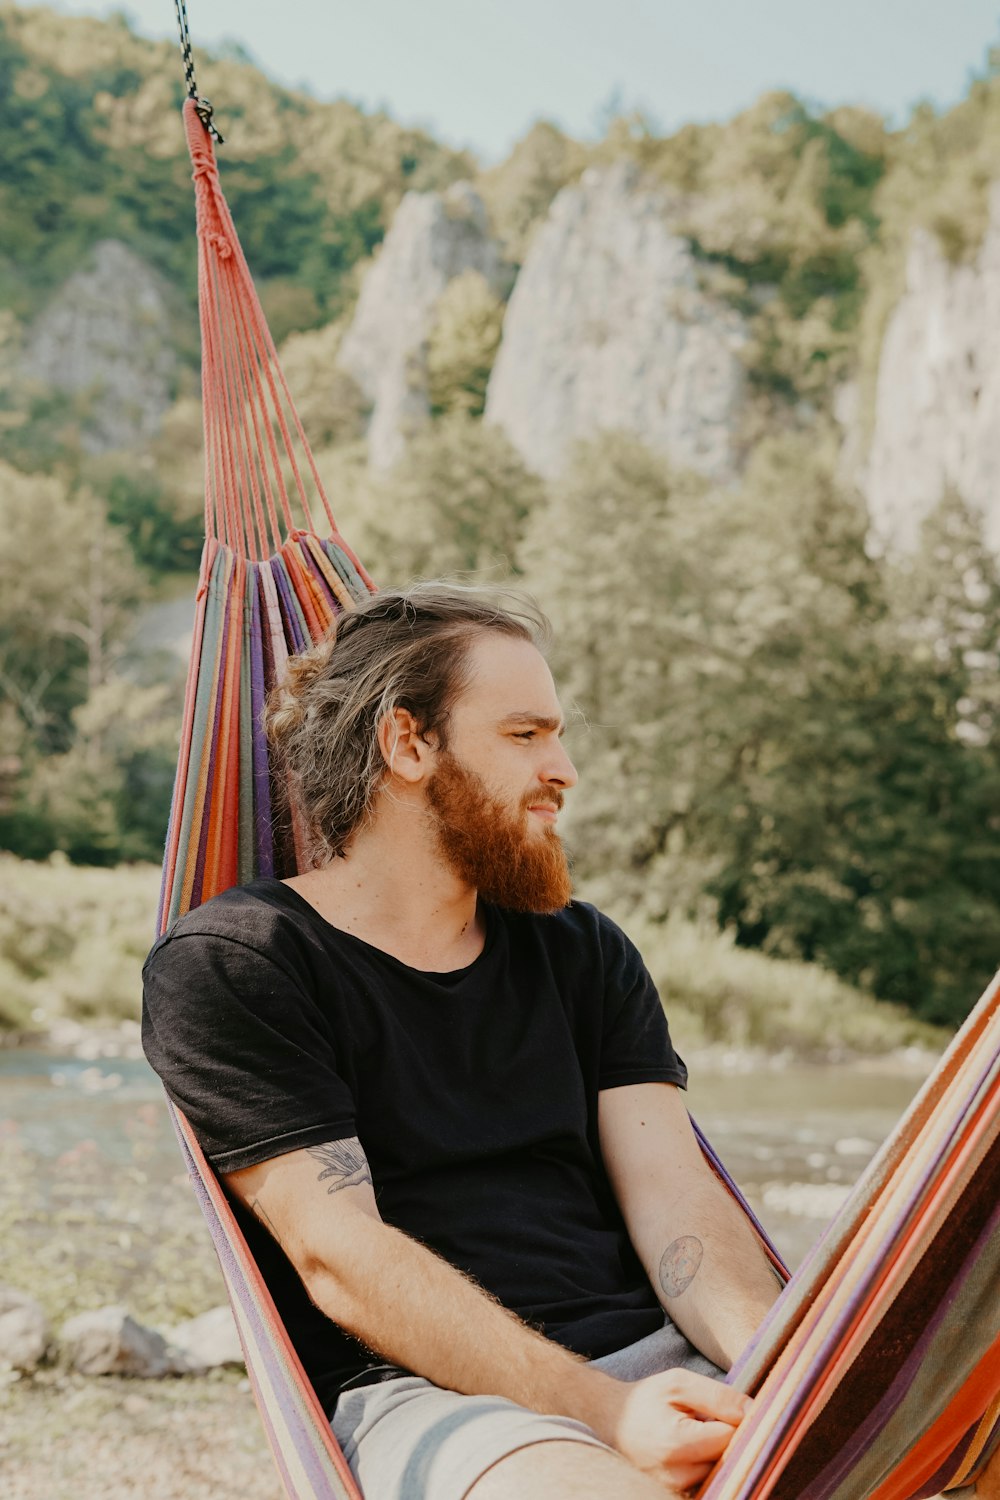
405, 750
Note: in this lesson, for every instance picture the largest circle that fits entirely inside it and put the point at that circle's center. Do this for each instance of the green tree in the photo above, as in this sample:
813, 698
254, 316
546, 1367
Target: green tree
462, 345
331, 404
763, 732
456, 502
519, 191
68, 585
85, 755
614, 557
107, 798
947, 599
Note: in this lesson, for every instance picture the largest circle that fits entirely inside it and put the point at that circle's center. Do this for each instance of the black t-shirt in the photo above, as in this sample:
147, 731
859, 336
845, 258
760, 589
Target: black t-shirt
473, 1093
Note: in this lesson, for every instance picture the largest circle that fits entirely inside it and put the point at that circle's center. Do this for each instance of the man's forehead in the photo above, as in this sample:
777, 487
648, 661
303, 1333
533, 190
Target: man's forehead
511, 678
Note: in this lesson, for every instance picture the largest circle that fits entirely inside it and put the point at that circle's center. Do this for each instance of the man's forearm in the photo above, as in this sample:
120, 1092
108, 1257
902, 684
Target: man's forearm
710, 1271
407, 1304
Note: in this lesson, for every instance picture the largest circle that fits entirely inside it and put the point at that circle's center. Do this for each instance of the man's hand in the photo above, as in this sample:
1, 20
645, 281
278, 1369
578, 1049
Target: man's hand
676, 1426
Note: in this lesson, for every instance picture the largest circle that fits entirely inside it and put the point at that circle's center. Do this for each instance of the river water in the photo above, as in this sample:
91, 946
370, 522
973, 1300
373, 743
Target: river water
795, 1138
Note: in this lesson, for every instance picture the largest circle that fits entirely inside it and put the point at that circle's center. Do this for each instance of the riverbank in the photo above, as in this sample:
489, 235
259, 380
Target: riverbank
95, 1208
73, 939
67, 1436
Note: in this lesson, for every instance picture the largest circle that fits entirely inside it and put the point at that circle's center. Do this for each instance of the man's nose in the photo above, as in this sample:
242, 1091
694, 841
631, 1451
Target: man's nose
560, 771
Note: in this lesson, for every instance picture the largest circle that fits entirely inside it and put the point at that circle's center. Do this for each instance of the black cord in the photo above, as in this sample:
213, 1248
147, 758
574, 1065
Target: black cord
203, 106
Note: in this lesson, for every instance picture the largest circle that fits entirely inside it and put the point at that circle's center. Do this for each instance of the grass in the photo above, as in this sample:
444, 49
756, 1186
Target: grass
719, 995
82, 1231
72, 942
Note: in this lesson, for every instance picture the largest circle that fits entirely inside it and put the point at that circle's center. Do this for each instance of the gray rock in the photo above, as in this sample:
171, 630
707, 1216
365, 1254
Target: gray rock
607, 327
24, 1331
207, 1341
434, 238
937, 408
110, 1342
107, 334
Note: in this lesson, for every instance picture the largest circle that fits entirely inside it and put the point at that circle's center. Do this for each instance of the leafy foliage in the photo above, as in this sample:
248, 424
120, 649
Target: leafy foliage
786, 737
457, 502
519, 191
86, 763
764, 732
93, 149
462, 345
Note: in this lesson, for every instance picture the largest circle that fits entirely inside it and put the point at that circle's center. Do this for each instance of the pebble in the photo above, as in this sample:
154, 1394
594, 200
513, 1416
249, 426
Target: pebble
24, 1332
110, 1342
855, 1145
208, 1341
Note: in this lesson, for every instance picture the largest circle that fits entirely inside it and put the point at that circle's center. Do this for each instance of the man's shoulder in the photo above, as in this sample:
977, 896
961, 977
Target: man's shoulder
579, 927
259, 916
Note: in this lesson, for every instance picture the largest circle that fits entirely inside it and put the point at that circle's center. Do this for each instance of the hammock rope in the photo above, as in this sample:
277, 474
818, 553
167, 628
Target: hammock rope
878, 1371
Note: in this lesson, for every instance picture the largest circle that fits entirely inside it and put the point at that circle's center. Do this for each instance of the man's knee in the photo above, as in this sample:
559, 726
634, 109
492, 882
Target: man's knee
564, 1471
988, 1483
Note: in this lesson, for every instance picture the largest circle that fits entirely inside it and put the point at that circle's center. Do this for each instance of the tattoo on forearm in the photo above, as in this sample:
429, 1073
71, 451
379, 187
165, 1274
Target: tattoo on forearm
262, 1214
344, 1164
679, 1265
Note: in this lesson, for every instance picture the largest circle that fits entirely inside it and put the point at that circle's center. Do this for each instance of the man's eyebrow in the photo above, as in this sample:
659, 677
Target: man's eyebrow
538, 721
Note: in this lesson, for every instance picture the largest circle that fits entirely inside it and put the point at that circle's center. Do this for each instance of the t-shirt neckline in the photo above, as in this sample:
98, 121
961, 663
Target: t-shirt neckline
448, 978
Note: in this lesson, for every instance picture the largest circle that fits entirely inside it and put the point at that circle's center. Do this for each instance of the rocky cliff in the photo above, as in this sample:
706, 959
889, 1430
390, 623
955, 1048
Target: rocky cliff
107, 335
434, 238
937, 409
608, 328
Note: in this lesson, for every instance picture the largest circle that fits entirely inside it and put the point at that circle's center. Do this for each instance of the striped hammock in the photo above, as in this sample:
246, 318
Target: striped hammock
878, 1371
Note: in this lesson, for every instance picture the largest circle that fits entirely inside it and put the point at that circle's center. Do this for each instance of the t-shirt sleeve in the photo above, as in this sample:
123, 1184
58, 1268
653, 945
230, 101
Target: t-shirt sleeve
241, 1050
636, 1045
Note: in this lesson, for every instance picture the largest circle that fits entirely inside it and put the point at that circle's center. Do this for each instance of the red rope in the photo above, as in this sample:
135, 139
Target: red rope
256, 450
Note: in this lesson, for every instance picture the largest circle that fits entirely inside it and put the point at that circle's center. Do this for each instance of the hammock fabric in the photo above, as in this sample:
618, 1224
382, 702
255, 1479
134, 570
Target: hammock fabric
878, 1371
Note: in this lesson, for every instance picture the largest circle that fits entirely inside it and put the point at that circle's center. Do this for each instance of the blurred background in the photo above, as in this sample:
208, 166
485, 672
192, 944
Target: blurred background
687, 322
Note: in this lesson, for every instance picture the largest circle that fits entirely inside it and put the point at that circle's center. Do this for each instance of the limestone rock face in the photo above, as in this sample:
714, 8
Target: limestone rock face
434, 238
107, 333
24, 1331
937, 410
608, 328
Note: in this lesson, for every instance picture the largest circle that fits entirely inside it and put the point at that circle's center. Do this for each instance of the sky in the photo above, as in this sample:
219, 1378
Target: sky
478, 72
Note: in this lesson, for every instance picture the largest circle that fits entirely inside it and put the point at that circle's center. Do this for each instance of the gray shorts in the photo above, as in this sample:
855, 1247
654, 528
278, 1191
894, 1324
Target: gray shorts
406, 1439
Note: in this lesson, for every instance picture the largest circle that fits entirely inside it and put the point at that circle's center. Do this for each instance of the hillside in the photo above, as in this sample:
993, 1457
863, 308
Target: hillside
729, 400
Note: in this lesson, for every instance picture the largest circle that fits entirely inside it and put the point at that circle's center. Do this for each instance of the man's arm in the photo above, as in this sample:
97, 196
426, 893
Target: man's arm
407, 1304
704, 1260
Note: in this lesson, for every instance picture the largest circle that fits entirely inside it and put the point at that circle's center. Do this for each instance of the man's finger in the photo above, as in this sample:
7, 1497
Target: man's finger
699, 1442
715, 1402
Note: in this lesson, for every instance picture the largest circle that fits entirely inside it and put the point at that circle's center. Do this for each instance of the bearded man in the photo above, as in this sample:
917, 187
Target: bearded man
442, 1095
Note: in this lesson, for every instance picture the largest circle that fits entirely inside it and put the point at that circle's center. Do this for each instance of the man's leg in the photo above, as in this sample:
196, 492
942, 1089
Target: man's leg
565, 1471
406, 1438
988, 1483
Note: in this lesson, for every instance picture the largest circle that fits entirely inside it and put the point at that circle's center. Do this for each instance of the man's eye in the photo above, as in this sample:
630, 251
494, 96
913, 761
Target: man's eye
524, 734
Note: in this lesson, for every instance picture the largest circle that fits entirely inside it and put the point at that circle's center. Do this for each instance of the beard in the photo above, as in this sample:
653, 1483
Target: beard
491, 846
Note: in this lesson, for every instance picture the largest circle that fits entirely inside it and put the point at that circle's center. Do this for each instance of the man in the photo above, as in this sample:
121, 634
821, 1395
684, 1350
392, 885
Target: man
443, 1098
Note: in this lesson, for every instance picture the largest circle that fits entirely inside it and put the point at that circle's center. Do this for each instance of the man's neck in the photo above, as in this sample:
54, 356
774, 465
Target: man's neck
394, 890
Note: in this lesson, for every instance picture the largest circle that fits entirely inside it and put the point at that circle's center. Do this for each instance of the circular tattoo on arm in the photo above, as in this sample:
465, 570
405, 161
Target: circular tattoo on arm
679, 1264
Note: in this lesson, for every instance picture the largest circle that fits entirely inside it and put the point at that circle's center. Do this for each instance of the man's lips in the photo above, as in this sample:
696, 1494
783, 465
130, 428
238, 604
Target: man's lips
547, 811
